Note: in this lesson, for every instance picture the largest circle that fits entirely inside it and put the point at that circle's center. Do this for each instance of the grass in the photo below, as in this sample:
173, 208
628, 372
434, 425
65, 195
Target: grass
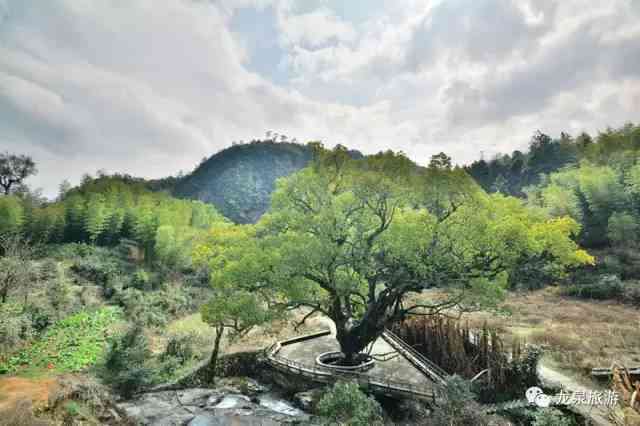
578, 334
72, 344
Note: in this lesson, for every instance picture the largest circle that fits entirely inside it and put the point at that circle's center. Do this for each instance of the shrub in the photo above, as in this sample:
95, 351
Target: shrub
632, 293
345, 403
70, 345
15, 328
458, 407
59, 292
41, 316
141, 280
606, 287
142, 307
551, 417
125, 368
179, 347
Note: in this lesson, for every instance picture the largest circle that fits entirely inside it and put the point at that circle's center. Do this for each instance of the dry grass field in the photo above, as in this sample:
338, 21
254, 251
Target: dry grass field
578, 334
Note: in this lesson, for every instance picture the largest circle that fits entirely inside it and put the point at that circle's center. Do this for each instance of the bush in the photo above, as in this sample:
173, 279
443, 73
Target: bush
96, 268
458, 407
59, 293
632, 293
551, 417
125, 368
15, 328
143, 308
141, 280
345, 403
40, 316
179, 347
606, 287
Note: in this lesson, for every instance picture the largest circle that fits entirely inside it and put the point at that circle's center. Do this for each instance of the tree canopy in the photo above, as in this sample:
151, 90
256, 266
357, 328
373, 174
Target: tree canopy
355, 240
14, 169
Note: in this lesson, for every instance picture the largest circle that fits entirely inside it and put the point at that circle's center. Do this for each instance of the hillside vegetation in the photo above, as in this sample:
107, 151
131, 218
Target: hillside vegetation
239, 180
119, 280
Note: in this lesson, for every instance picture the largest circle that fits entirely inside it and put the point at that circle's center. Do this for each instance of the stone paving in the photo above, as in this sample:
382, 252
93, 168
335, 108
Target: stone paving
398, 368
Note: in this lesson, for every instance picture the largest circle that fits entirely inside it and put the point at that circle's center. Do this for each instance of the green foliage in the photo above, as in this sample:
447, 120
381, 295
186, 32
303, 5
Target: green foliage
551, 417
622, 229
59, 292
345, 403
17, 270
11, 214
155, 308
70, 345
15, 329
125, 367
604, 287
110, 209
512, 174
141, 280
99, 266
354, 238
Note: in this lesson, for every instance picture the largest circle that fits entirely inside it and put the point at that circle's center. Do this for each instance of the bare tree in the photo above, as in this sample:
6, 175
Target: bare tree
14, 169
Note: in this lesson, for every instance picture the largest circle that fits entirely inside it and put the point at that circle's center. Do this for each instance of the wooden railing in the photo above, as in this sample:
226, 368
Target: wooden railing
317, 373
422, 363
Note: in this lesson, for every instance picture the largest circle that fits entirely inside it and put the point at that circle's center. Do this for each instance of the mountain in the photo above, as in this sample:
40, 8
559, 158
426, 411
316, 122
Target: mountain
239, 180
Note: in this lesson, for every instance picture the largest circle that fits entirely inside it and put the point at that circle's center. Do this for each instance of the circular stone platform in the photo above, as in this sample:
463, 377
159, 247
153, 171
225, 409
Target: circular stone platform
330, 361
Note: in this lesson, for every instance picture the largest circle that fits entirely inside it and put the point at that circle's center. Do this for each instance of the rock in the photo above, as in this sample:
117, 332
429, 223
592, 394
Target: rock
206, 419
209, 419
221, 406
197, 396
234, 401
307, 400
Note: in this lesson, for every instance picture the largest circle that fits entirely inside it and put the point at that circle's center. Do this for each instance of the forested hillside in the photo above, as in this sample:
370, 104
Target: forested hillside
239, 180
594, 180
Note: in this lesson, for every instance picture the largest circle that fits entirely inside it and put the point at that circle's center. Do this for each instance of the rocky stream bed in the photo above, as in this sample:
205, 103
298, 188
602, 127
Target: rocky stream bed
238, 403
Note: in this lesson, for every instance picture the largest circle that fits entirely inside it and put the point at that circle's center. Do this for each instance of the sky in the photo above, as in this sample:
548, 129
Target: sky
150, 87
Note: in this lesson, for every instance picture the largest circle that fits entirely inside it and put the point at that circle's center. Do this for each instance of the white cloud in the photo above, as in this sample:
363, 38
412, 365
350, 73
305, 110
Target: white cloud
315, 28
149, 87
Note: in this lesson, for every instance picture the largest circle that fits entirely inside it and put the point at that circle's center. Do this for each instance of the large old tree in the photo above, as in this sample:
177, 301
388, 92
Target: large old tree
359, 240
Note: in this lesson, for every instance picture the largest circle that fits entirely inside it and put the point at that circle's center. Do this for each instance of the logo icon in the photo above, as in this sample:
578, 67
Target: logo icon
536, 396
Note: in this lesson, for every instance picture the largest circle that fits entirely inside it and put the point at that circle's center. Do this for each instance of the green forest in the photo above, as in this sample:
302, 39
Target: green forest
127, 283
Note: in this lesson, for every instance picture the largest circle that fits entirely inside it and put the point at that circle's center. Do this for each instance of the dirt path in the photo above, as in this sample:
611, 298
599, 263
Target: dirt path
599, 415
14, 389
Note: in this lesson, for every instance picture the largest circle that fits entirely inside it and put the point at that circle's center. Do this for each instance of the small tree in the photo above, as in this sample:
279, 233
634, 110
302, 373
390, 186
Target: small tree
16, 269
14, 169
231, 309
346, 404
236, 312
440, 161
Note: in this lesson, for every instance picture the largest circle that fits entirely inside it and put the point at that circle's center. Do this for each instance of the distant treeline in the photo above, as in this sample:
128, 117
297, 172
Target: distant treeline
594, 180
106, 210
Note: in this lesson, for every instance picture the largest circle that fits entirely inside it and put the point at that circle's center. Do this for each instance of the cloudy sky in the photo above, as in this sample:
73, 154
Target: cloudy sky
149, 87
